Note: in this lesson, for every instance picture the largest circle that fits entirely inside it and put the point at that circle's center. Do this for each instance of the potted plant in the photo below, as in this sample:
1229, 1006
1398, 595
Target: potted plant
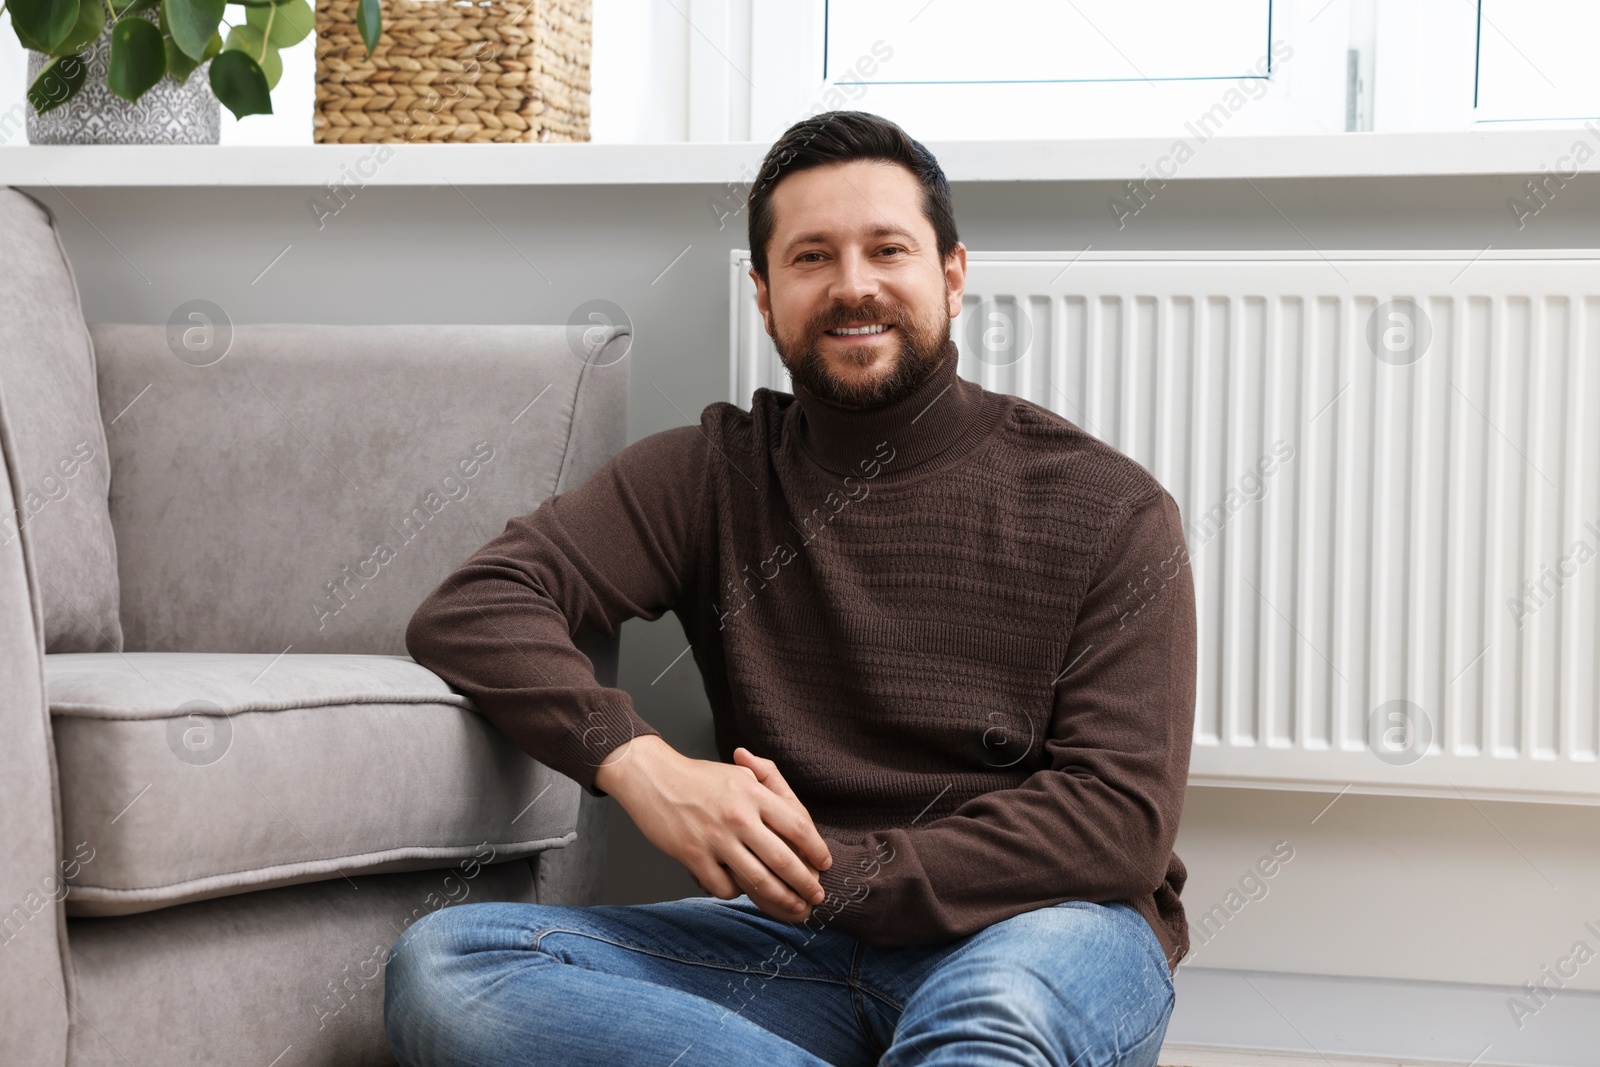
137, 58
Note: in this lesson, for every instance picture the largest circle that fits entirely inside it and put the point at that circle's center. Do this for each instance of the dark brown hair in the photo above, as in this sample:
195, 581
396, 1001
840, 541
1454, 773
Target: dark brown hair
839, 137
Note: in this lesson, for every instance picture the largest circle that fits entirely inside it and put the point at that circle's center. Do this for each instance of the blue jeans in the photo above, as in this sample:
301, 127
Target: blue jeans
708, 981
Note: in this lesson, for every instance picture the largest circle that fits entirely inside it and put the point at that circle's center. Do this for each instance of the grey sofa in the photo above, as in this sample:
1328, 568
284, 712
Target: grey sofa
224, 789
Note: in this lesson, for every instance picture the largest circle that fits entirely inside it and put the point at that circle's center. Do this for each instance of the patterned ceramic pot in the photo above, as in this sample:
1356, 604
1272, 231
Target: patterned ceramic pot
168, 113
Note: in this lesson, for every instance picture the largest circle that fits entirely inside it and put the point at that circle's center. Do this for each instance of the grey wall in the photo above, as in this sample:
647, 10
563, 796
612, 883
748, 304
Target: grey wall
534, 253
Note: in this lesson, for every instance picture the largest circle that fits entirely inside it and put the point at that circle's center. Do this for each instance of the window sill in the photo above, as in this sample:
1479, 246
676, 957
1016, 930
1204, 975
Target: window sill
1339, 155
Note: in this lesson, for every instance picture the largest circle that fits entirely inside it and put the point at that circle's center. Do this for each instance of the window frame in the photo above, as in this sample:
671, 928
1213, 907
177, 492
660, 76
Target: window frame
1305, 94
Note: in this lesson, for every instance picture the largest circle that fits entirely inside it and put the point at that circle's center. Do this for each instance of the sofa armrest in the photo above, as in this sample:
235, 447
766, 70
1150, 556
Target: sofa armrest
35, 978
308, 487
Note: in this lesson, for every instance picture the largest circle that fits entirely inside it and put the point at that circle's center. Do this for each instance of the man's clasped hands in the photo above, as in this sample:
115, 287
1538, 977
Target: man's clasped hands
738, 828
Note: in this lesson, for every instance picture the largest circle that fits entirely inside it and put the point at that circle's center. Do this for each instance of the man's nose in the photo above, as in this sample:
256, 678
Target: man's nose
855, 280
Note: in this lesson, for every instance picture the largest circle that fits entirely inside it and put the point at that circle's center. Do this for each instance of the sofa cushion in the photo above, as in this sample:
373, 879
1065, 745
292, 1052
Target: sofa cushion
355, 465
186, 776
47, 384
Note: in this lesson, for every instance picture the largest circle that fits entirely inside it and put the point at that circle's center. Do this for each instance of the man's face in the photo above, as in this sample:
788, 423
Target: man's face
852, 250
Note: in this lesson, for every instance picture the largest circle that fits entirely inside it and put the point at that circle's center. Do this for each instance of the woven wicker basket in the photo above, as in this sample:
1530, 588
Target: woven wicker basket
454, 70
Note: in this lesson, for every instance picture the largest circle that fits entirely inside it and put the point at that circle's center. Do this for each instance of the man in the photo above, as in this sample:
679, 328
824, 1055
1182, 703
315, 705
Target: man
949, 644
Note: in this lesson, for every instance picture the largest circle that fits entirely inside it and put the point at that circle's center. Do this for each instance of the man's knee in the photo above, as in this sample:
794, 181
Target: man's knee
1098, 965
431, 970
428, 943
413, 979
1016, 1015
1057, 985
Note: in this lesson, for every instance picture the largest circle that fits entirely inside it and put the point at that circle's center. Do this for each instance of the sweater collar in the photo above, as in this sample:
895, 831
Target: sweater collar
919, 426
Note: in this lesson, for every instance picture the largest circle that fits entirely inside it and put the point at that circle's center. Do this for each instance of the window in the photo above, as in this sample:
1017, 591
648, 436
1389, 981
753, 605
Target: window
941, 42
1020, 69
1535, 60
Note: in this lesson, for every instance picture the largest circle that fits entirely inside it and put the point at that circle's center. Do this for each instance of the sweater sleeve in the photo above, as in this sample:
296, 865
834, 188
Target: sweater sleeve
1097, 822
499, 628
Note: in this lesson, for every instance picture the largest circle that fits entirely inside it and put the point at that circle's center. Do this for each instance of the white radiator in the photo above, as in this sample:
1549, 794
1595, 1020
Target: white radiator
1393, 518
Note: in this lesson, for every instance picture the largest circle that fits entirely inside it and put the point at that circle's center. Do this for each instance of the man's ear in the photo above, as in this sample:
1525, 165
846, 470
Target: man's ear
764, 300
955, 276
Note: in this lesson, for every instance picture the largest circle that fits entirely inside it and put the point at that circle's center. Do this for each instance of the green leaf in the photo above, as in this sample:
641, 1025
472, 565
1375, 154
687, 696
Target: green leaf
180, 66
28, 41
239, 84
138, 58
131, 7
292, 20
57, 83
369, 20
247, 39
86, 31
46, 23
192, 23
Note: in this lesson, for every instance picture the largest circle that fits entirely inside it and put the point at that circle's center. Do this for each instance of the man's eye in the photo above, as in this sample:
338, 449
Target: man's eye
893, 248
807, 255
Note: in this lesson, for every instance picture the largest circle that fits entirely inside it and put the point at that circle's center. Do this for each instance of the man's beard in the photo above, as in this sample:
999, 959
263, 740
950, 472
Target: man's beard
920, 352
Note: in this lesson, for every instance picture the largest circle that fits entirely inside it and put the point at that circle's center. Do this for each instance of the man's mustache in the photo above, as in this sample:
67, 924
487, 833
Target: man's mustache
840, 316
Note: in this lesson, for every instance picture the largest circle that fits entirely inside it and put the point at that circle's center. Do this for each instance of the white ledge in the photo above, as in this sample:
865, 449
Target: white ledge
1336, 155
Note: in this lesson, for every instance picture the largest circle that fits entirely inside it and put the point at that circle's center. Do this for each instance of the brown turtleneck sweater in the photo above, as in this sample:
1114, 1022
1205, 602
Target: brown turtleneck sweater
963, 628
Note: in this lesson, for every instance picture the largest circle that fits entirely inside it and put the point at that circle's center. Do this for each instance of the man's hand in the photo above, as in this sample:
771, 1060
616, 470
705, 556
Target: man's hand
766, 773
737, 828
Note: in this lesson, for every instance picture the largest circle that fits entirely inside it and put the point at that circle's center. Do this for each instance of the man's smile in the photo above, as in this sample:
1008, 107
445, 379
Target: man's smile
859, 334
